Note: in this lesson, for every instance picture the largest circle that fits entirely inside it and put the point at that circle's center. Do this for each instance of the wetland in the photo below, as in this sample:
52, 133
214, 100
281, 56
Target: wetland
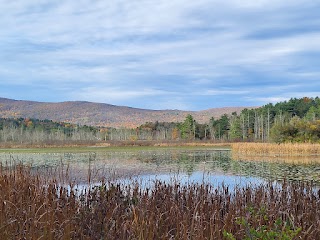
155, 193
188, 164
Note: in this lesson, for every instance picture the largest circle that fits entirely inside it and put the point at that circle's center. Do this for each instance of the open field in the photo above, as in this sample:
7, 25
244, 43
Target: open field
37, 207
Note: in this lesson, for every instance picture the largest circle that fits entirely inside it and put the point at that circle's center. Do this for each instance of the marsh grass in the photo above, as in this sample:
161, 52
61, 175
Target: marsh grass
117, 148
33, 206
287, 152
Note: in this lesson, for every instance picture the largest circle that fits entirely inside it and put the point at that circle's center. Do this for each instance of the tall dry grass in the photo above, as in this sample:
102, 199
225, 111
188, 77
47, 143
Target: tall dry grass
33, 207
290, 152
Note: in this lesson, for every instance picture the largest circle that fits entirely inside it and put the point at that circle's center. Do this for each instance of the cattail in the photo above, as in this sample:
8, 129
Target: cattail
33, 206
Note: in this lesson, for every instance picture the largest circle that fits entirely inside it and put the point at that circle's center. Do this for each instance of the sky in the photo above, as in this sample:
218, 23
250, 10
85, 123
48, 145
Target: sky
164, 54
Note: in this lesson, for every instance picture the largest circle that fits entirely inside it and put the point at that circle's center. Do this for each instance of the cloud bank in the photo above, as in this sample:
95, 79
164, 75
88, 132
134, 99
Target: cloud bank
165, 54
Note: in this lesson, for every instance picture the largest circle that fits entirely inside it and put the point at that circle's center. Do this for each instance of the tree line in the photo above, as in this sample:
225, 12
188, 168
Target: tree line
35, 131
295, 120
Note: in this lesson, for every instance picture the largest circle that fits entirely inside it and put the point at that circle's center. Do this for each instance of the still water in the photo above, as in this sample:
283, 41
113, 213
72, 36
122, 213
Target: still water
214, 166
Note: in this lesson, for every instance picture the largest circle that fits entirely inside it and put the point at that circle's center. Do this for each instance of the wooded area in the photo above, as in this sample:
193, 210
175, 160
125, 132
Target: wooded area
296, 120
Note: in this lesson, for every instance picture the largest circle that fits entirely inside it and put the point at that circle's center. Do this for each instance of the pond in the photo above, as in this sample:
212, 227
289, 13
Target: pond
185, 165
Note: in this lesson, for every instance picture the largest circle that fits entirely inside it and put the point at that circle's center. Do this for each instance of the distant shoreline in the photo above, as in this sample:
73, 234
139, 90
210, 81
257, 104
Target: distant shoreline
112, 145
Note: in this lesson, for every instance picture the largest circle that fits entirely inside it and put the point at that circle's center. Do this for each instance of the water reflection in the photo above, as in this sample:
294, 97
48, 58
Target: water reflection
215, 179
214, 166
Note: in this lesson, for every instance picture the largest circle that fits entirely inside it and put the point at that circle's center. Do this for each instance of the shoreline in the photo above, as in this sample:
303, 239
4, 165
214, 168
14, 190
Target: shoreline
114, 144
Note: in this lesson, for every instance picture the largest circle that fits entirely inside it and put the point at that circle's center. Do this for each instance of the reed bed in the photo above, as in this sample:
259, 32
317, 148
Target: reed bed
275, 151
34, 207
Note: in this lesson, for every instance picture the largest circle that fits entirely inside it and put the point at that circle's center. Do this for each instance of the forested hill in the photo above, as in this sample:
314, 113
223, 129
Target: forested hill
101, 114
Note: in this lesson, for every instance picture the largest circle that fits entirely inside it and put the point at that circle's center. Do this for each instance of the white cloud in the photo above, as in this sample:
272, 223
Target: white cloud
172, 102
107, 94
231, 92
282, 97
123, 45
307, 75
269, 99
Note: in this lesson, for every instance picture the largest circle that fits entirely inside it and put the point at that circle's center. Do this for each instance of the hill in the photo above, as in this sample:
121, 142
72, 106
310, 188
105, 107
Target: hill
101, 114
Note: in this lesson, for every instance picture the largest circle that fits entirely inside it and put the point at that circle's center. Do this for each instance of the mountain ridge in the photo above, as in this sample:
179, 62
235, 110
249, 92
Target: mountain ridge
102, 114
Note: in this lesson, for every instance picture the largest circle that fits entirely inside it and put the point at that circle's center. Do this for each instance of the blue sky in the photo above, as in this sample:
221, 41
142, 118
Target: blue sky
164, 54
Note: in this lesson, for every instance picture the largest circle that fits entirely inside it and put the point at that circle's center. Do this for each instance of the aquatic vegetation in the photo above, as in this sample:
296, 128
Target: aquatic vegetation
245, 150
34, 206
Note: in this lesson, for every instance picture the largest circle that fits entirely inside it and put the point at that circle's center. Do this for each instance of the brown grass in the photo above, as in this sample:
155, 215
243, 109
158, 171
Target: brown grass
288, 152
34, 207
